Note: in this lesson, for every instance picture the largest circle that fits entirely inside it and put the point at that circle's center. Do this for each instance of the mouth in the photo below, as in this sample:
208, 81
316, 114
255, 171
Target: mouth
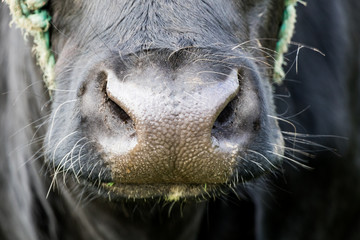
116, 190
167, 192
96, 176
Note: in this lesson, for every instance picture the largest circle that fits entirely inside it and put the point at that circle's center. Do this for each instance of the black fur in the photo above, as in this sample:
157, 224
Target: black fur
318, 105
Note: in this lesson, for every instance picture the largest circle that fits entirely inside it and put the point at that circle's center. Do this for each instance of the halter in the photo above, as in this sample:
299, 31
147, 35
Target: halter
34, 19
285, 34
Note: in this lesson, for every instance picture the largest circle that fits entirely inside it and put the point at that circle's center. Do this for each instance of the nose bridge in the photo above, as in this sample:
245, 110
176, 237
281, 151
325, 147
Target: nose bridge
184, 102
186, 89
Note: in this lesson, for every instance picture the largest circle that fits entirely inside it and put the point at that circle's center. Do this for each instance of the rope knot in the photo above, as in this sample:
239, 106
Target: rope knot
34, 19
286, 32
35, 4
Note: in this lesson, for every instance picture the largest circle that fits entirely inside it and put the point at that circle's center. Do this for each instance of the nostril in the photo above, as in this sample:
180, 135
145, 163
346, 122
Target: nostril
118, 111
228, 112
115, 109
225, 115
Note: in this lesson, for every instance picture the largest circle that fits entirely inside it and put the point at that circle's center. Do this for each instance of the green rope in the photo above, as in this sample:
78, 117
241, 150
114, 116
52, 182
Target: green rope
285, 34
30, 16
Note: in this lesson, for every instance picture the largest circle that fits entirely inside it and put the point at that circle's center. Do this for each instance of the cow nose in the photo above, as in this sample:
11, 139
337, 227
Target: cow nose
173, 117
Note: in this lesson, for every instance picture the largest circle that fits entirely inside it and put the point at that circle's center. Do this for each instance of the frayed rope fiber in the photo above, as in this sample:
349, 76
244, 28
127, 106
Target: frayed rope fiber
285, 34
30, 15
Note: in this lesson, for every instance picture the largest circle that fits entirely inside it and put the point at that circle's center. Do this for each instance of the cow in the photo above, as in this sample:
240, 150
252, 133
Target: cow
164, 122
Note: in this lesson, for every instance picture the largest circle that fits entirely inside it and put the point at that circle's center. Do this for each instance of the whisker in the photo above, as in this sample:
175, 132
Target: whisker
54, 117
292, 160
306, 135
306, 154
266, 159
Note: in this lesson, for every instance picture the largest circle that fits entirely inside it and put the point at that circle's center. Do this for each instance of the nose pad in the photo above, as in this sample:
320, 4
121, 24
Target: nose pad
219, 109
173, 120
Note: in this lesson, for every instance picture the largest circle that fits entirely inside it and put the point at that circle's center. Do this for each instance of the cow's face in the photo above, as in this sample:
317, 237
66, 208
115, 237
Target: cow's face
164, 98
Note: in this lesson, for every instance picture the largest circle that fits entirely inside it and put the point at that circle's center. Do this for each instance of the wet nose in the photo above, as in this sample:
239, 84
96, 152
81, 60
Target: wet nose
173, 117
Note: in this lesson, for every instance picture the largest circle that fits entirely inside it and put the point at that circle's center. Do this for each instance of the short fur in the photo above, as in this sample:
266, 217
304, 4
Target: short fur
321, 100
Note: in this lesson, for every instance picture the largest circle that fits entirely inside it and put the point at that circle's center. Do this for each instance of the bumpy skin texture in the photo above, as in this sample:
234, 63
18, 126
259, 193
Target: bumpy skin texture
166, 100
